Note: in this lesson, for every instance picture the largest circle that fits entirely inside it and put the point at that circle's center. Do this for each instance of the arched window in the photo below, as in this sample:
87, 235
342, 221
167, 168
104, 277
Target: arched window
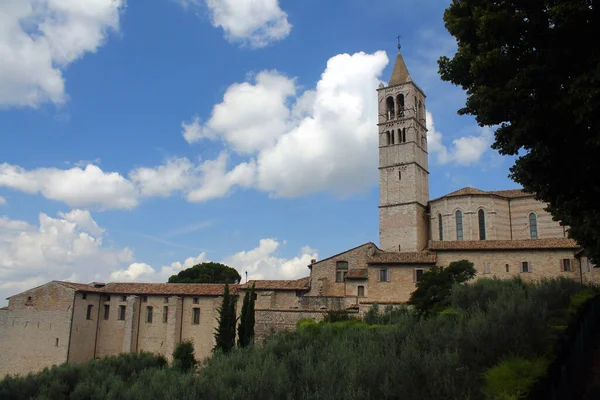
441, 226
393, 137
404, 135
388, 139
389, 102
400, 104
459, 225
421, 113
481, 216
533, 226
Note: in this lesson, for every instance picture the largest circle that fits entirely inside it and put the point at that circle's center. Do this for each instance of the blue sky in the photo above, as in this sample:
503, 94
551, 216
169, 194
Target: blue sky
140, 138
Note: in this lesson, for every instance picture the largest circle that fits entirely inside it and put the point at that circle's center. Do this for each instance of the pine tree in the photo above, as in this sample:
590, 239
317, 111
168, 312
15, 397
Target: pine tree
225, 331
246, 326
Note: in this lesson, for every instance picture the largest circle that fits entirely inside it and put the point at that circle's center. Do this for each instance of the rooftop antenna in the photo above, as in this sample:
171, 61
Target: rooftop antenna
399, 46
246, 276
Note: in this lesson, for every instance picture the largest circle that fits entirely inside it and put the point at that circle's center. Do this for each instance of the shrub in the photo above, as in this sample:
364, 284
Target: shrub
337, 316
513, 378
183, 356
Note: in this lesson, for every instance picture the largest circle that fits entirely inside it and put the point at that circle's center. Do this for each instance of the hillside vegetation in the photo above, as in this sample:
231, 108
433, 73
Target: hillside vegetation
493, 340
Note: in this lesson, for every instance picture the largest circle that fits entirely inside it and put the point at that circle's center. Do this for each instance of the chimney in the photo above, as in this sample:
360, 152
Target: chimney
314, 260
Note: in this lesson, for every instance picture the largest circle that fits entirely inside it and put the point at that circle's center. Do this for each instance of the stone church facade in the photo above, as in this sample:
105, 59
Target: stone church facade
505, 233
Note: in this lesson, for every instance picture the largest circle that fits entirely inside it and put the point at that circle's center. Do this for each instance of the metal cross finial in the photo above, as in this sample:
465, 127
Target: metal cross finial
399, 41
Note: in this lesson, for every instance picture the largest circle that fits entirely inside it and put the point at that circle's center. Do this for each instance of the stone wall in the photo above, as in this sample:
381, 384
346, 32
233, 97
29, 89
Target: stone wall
82, 346
269, 321
34, 333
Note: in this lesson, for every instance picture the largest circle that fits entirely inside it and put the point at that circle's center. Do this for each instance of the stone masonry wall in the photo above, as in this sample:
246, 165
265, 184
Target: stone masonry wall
34, 334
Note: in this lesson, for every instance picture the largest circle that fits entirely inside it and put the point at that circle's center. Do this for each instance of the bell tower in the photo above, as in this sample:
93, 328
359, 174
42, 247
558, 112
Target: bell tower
403, 167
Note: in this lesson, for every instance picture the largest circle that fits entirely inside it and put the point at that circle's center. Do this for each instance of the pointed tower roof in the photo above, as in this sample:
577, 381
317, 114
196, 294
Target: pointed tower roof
400, 73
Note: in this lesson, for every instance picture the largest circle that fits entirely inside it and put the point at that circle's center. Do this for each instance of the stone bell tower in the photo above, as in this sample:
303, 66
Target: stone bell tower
403, 167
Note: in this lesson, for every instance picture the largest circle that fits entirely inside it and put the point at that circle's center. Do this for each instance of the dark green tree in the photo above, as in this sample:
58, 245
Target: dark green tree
225, 331
433, 291
529, 70
208, 272
183, 356
246, 325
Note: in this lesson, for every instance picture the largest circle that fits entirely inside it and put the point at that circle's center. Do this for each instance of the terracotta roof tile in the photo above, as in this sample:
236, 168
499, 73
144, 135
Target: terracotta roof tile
361, 273
4, 309
526, 244
413, 257
200, 289
297, 284
470, 191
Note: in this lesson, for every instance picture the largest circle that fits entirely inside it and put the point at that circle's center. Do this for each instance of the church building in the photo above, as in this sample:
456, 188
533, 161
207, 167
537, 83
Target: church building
505, 233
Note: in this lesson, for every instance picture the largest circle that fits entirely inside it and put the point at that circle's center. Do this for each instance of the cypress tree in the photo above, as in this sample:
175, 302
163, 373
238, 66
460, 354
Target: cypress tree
246, 327
225, 331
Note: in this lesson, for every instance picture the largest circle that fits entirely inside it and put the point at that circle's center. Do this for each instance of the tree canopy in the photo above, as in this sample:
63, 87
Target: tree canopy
529, 68
208, 272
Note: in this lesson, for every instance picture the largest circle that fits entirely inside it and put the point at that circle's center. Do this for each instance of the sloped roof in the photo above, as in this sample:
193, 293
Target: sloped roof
470, 191
409, 257
346, 251
200, 289
525, 244
358, 273
4, 309
400, 72
297, 284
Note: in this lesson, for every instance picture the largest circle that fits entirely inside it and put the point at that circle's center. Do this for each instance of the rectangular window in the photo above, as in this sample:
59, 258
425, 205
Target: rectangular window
84, 296
566, 265
341, 269
106, 311
195, 300
486, 267
507, 268
149, 315
165, 314
525, 267
361, 291
123, 298
88, 315
419, 275
56, 342
384, 275
166, 299
145, 299
195, 316
121, 313
107, 297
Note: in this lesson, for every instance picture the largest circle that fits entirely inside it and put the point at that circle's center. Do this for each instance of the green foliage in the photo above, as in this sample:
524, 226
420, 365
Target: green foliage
337, 316
183, 356
513, 378
225, 331
246, 326
207, 272
527, 71
433, 291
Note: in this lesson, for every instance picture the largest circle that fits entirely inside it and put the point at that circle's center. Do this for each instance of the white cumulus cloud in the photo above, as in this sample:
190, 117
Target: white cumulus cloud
465, 150
2, 201
175, 174
40, 38
77, 187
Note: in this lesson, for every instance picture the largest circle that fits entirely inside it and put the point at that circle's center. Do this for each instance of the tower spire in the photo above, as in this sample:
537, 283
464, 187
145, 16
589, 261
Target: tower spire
400, 73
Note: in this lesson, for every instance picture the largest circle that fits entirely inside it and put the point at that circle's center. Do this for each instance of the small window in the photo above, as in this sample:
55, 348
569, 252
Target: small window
361, 291
84, 296
440, 227
419, 275
384, 275
121, 313
388, 139
165, 314
393, 137
341, 269
145, 299
149, 314
399, 175
481, 216
28, 298
459, 225
107, 297
404, 135
533, 226
123, 298
195, 316
486, 267
88, 315
507, 268
566, 265
106, 311
195, 300
166, 299
56, 342
525, 266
